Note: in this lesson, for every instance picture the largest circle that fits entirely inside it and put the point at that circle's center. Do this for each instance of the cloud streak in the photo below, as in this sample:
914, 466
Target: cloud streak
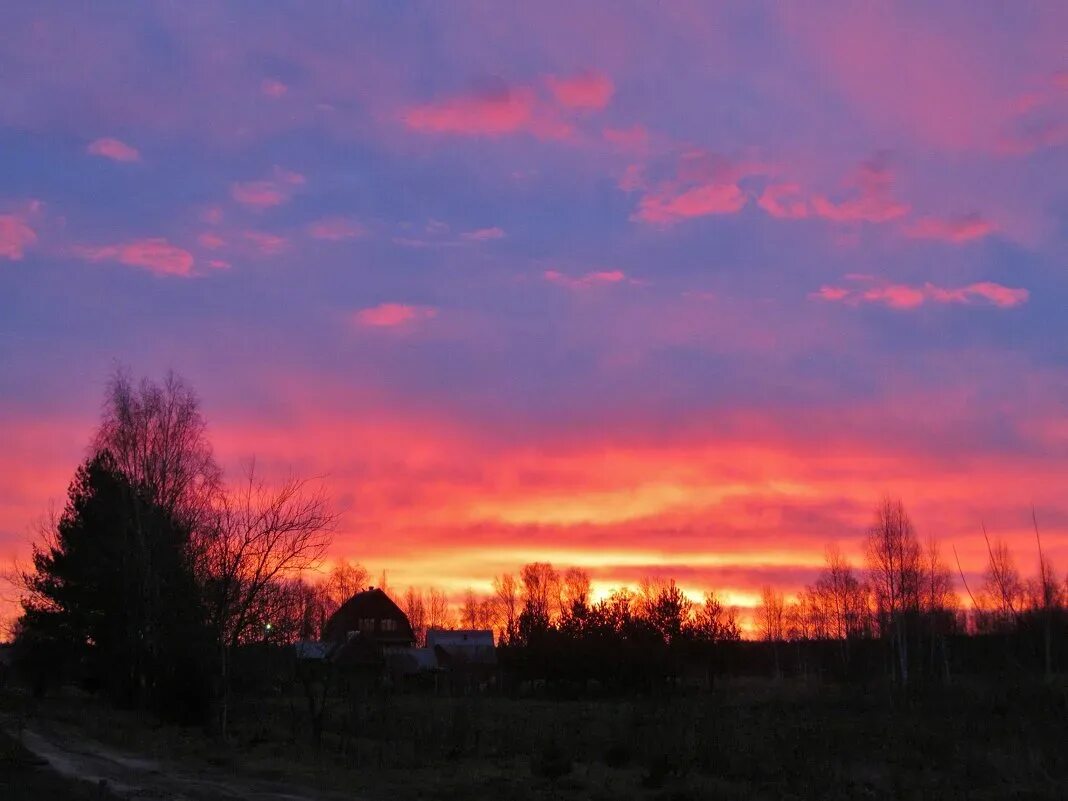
904, 297
393, 315
113, 149
156, 255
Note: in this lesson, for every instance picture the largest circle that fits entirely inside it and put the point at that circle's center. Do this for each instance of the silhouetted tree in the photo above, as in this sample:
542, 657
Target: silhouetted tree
113, 593
264, 535
345, 580
895, 566
506, 594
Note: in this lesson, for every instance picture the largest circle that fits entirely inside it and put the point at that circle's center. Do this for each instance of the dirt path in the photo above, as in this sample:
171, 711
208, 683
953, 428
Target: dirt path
136, 778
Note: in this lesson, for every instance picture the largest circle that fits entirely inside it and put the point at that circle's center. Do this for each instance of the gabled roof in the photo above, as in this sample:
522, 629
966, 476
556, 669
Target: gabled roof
371, 603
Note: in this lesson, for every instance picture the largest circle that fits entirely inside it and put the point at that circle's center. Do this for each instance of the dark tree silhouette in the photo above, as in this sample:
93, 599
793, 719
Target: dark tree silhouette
87, 601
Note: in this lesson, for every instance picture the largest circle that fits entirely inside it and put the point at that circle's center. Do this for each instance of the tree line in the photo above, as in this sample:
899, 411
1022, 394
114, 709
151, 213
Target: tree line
158, 570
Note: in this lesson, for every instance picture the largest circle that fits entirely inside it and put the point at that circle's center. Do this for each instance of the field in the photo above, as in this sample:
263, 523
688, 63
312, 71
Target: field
748, 740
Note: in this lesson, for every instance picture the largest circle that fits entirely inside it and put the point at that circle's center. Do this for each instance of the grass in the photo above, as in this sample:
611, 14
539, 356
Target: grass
754, 740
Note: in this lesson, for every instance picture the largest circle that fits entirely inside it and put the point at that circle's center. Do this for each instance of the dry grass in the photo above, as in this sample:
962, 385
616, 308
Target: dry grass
752, 740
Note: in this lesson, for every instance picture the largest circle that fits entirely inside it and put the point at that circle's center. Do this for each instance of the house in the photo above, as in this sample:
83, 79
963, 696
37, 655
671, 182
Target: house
372, 617
466, 658
456, 648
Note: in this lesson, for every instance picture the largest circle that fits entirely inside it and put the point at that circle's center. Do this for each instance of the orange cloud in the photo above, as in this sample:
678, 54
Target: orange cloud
113, 149
156, 255
589, 90
269, 192
15, 237
335, 229
392, 315
589, 279
957, 231
903, 296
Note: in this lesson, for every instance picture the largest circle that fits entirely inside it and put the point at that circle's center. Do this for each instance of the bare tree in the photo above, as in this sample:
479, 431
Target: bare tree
438, 614
770, 614
263, 535
895, 566
345, 580
158, 437
476, 612
506, 593
1002, 592
574, 589
415, 608
541, 593
771, 620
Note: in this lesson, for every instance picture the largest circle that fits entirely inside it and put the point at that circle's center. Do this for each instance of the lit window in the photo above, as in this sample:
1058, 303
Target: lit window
388, 625
367, 624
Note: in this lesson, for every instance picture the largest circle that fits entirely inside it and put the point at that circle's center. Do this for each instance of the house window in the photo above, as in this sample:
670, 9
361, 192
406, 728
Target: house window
388, 624
367, 624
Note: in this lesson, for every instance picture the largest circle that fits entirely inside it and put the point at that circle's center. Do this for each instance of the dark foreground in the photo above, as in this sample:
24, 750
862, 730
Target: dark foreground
758, 740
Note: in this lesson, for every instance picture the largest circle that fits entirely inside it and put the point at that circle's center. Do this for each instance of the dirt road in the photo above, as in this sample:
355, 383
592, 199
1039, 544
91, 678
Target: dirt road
133, 777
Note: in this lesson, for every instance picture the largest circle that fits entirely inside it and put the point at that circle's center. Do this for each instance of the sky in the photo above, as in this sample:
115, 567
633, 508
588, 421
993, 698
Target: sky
655, 289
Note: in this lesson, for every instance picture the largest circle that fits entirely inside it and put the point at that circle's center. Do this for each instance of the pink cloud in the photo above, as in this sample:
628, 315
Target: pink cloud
999, 295
497, 111
491, 113
873, 202
156, 255
784, 201
258, 194
392, 315
267, 244
15, 237
113, 149
273, 88
958, 231
589, 90
335, 229
670, 205
483, 234
269, 192
904, 297
211, 241
599, 278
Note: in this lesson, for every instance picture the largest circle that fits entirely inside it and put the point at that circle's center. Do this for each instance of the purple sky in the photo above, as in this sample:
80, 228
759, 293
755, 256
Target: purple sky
647, 287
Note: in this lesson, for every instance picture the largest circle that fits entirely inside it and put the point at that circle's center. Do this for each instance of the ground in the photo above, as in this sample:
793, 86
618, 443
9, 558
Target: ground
756, 740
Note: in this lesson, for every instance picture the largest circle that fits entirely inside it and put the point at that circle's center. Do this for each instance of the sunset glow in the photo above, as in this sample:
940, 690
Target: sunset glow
680, 292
